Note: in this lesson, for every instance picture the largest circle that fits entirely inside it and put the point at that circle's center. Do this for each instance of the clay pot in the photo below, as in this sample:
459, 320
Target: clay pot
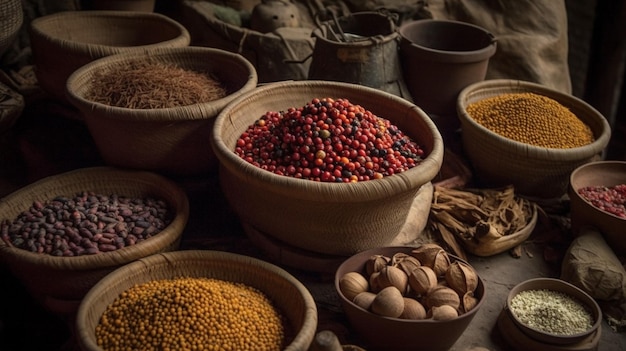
440, 58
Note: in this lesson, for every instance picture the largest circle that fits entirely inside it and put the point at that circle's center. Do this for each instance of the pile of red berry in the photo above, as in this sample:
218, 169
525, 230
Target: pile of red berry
609, 199
328, 140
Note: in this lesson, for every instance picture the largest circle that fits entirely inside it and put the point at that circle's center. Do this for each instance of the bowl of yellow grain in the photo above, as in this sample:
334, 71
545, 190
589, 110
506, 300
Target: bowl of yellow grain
197, 300
528, 135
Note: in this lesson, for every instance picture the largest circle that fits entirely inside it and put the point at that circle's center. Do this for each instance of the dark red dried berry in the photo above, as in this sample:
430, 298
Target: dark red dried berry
341, 141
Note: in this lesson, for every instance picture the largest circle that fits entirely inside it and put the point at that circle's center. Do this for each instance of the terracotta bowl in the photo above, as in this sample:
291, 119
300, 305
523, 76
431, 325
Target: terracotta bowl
582, 212
562, 286
288, 294
386, 333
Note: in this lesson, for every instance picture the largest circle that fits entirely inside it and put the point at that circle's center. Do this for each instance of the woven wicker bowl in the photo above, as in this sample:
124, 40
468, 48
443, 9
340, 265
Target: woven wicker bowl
64, 41
386, 333
60, 282
328, 218
534, 171
288, 294
11, 19
169, 140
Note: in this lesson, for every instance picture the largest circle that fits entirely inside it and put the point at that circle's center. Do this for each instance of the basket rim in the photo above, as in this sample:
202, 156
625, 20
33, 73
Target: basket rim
304, 337
399, 182
499, 86
460, 56
178, 201
197, 111
37, 24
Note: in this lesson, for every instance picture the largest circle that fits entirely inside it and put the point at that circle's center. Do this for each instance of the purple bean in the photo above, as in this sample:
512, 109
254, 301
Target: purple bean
88, 223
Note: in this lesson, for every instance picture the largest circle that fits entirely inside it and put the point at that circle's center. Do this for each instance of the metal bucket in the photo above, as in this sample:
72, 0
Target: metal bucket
361, 48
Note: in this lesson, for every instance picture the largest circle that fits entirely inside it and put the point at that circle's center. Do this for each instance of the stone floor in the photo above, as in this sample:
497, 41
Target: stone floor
46, 142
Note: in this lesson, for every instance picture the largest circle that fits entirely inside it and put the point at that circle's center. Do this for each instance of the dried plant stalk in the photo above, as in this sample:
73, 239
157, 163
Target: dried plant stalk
145, 84
482, 221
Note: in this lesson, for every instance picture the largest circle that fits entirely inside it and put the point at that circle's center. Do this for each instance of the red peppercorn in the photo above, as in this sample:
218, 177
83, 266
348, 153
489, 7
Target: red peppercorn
328, 140
608, 199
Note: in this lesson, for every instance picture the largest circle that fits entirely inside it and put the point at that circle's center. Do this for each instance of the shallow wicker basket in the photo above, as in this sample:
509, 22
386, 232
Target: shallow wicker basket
64, 41
289, 295
169, 140
60, 282
329, 218
534, 171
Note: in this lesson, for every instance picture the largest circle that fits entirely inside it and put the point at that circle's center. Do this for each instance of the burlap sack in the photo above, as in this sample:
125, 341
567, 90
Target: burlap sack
590, 264
283, 54
531, 34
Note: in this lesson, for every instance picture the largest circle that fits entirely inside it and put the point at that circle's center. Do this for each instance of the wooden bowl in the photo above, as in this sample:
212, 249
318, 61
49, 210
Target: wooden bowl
582, 212
60, 282
289, 295
385, 333
534, 171
561, 286
323, 217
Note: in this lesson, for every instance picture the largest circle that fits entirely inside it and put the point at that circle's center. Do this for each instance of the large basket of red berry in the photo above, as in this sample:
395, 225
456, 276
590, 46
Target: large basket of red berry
328, 167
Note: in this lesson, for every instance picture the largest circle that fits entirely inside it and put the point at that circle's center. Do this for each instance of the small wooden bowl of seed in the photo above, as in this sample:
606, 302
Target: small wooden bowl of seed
528, 135
553, 311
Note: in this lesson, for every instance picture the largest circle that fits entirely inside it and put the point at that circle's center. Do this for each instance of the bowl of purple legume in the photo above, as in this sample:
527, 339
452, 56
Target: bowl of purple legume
62, 234
553, 311
597, 194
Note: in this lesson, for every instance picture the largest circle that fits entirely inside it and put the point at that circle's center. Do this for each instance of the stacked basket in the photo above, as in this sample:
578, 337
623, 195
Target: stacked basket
64, 41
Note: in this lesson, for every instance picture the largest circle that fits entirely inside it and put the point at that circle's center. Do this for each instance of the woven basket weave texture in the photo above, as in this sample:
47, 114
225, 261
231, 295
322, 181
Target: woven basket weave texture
11, 19
534, 171
60, 281
64, 41
329, 218
289, 295
169, 140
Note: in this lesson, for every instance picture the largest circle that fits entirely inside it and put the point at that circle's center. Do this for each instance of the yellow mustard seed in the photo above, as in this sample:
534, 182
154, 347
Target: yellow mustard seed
531, 119
191, 314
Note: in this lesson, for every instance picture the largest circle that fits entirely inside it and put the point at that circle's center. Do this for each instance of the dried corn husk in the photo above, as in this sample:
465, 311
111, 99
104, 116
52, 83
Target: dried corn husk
484, 222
